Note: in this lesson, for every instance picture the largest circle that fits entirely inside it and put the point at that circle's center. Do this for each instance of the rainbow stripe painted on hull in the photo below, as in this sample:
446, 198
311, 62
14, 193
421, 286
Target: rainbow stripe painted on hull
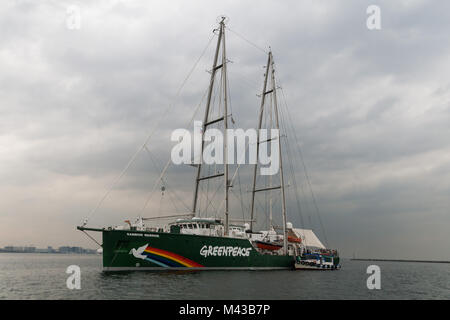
165, 258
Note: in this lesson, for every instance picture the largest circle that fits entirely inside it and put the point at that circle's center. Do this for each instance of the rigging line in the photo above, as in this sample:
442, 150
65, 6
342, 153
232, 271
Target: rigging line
251, 84
294, 179
291, 167
164, 181
248, 41
241, 197
160, 203
211, 200
92, 238
154, 186
200, 199
238, 195
206, 185
239, 164
174, 196
227, 78
304, 167
169, 161
271, 111
309, 217
133, 158
236, 171
171, 193
216, 106
171, 197
217, 95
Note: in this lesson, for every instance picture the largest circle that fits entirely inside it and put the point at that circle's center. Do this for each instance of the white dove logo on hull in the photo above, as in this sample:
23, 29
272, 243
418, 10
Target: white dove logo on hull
137, 253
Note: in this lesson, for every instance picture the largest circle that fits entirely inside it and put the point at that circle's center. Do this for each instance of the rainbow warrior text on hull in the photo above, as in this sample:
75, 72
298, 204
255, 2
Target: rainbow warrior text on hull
198, 241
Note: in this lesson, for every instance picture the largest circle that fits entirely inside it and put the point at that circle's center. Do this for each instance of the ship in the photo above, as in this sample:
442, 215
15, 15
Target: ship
196, 241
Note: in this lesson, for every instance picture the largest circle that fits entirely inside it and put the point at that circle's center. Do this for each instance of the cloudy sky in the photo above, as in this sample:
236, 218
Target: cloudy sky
371, 109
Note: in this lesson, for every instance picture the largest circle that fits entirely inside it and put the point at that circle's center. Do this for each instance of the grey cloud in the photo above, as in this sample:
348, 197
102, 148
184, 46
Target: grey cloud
370, 108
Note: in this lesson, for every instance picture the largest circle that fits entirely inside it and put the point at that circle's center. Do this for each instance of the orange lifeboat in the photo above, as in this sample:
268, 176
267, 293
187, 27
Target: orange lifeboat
268, 245
294, 239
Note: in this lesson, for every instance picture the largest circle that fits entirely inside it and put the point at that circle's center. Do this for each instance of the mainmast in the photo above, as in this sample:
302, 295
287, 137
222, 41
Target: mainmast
225, 124
270, 70
207, 122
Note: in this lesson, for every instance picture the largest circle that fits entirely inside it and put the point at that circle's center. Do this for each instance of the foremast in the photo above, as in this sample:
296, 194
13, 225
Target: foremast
224, 118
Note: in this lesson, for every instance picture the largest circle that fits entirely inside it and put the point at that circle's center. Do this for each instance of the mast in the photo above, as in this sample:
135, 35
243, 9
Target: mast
225, 124
206, 123
270, 69
261, 111
283, 197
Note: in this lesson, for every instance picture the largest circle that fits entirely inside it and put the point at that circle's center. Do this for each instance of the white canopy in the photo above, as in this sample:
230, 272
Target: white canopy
308, 238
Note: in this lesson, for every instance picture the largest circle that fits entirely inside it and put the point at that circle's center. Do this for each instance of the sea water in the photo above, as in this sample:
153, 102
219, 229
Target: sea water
43, 276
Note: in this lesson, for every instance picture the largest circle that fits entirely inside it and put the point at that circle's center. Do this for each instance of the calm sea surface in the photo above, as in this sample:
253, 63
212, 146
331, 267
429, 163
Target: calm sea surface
43, 276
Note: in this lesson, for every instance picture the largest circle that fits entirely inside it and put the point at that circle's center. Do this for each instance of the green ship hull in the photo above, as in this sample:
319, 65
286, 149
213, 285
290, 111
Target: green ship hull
144, 250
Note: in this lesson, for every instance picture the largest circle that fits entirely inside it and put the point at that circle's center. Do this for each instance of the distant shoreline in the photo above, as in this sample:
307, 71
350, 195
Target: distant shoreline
49, 252
88, 253
400, 260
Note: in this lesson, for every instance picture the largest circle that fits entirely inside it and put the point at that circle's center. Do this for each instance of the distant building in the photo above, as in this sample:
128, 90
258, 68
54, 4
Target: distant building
49, 249
66, 249
14, 249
